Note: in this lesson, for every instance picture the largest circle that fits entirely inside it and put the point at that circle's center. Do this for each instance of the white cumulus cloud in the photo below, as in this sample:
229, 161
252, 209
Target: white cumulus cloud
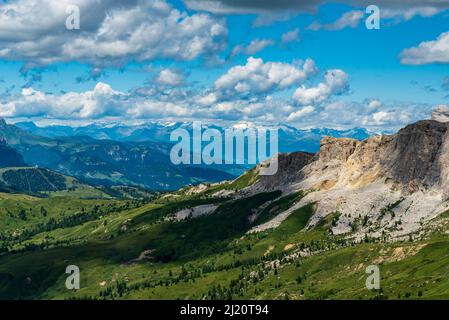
100, 102
170, 77
290, 36
257, 76
435, 51
335, 83
253, 47
257, 45
297, 115
349, 19
112, 32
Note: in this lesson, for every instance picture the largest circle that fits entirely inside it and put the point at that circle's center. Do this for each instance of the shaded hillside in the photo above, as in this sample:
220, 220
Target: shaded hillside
33, 180
9, 157
42, 182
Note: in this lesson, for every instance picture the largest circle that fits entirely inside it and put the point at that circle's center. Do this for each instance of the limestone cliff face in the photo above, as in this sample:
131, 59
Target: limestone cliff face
344, 162
412, 159
407, 171
415, 158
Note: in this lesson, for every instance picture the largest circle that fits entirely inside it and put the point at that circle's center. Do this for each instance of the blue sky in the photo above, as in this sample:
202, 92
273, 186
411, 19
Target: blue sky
311, 64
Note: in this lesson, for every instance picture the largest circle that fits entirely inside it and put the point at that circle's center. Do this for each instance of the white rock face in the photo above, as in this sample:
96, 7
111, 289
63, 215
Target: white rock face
389, 184
441, 113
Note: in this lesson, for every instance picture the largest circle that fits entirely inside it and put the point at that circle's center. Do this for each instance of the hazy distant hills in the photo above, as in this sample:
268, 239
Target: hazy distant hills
290, 138
118, 154
108, 162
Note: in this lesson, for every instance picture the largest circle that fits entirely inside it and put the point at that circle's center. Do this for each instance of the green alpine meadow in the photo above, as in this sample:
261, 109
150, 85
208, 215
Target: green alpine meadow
224, 159
162, 247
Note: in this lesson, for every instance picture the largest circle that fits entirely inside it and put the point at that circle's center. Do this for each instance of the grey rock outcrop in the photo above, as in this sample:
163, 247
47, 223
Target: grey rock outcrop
289, 171
412, 159
409, 169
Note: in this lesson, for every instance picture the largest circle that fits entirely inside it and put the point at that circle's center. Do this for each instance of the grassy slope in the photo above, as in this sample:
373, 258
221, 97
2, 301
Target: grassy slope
209, 256
247, 179
40, 210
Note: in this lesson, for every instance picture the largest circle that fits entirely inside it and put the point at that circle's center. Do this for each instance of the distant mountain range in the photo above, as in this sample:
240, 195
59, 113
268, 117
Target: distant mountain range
118, 155
108, 162
290, 138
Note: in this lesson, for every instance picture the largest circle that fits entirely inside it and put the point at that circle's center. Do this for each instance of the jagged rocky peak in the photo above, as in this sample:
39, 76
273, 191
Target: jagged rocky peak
416, 156
411, 159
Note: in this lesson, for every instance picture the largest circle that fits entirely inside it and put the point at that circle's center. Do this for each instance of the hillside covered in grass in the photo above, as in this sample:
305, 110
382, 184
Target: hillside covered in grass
139, 250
